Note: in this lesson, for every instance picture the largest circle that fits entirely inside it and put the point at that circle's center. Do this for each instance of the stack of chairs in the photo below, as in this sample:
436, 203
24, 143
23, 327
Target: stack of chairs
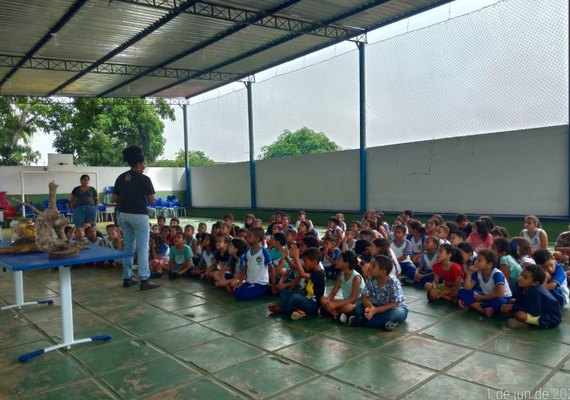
63, 207
176, 205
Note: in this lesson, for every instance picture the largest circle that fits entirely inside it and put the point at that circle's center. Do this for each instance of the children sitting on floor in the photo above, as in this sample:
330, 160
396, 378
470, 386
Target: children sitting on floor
159, 256
485, 288
556, 281
448, 274
424, 272
383, 303
180, 263
507, 264
533, 303
349, 240
537, 237
299, 304
402, 248
258, 275
330, 254
350, 283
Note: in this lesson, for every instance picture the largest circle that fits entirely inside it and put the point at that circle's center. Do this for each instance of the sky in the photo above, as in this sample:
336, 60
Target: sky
300, 92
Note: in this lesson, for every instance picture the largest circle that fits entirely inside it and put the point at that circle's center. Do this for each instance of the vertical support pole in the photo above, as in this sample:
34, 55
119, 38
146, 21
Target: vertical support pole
251, 150
188, 193
66, 305
23, 194
362, 105
19, 287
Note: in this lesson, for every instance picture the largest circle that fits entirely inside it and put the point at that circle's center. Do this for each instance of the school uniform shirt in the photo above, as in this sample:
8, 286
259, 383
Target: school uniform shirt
403, 248
335, 254
560, 292
206, 259
257, 266
539, 302
391, 292
417, 245
488, 286
534, 240
427, 261
448, 276
179, 256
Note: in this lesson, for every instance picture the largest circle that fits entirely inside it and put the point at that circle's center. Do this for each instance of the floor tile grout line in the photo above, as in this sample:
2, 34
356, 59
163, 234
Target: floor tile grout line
551, 373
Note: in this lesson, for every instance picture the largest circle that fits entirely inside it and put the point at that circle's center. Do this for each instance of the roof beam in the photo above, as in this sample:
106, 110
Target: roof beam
51, 33
216, 38
279, 41
182, 6
53, 64
322, 46
242, 15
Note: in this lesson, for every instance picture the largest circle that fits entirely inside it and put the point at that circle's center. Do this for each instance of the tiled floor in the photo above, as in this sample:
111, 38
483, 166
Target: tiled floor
188, 340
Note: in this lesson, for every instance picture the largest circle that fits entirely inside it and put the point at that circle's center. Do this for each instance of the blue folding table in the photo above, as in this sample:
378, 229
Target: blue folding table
35, 261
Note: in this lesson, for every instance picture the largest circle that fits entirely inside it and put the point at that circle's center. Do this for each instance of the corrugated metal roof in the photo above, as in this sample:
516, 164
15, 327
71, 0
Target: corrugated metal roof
137, 48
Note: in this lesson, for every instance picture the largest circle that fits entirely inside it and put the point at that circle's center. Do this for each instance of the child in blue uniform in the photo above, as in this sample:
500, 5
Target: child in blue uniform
485, 288
533, 303
556, 281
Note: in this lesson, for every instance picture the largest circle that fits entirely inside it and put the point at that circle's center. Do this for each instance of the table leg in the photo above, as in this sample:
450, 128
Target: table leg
19, 294
66, 319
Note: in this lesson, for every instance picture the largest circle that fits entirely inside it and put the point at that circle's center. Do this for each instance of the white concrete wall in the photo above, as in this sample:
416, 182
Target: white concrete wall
224, 185
318, 181
522, 172
518, 172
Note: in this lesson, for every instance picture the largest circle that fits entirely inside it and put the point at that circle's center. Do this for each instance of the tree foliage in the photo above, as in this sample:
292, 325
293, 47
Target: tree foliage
95, 130
20, 118
302, 141
196, 158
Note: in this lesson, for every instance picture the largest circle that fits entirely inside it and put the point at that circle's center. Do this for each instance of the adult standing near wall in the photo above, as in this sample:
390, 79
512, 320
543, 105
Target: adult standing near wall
131, 191
83, 202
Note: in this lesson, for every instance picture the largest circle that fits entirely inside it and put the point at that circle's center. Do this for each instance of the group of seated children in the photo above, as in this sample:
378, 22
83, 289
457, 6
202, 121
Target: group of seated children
475, 266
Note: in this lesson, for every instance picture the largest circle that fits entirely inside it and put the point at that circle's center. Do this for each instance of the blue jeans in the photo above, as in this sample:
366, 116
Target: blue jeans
396, 314
292, 301
135, 229
83, 214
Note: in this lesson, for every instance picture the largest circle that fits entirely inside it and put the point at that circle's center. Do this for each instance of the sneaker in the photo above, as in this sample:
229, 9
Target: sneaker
514, 323
356, 321
173, 275
155, 275
343, 318
146, 285
391, 325
129, 282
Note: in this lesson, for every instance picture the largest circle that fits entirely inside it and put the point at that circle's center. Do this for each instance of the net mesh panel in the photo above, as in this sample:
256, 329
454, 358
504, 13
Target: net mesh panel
504, 67
219, 127
322, 97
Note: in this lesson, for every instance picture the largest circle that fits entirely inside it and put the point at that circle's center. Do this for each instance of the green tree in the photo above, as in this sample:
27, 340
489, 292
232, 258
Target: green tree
95, 130
302, 141
197, 158
20, 118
